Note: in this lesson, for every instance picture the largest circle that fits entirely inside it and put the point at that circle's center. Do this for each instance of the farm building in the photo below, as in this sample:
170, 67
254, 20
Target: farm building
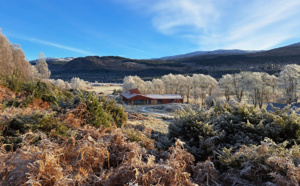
134, 97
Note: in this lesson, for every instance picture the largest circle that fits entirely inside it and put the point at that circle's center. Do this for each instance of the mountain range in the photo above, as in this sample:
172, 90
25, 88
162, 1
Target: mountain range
215, 63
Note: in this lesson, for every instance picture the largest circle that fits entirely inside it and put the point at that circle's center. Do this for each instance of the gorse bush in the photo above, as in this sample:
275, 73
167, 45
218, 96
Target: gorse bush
12, 130
85, 108
46, 91
207, 132
14, 67
13, 83
264, 163
248, 146
98, 112
38, 90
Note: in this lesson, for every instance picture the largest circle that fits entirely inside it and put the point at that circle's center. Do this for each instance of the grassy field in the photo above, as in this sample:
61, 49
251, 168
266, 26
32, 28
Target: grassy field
154, 121
105, 89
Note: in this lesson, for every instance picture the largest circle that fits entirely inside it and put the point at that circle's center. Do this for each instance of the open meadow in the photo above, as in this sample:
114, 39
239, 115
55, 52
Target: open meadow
105, 89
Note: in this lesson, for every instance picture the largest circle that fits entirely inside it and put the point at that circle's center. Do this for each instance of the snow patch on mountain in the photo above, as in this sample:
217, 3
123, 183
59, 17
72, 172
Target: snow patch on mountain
51, 59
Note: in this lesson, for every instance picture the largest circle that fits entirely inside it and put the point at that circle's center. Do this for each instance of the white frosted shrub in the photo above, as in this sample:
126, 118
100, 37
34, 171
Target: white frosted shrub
77, 83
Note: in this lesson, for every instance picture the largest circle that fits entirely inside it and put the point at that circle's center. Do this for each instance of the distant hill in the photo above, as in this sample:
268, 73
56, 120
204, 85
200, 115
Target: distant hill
278, 56
214, 63
289, 50
114, 68
117, 63
206, 53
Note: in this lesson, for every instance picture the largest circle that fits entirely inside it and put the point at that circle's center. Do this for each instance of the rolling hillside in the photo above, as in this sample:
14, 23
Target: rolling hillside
116, 63
214, 63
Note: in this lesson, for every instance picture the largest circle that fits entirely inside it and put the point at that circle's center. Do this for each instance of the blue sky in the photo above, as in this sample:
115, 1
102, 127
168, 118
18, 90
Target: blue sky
147, 28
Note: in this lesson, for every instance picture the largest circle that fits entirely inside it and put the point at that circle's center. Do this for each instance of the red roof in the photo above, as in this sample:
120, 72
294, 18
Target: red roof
134, 91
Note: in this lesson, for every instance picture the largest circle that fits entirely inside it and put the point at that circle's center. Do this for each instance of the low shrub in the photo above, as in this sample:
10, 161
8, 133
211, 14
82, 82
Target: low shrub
260, 164
97, 157
12, 130
139, 137
33, 90
95, 111
206, 132
117, 91
14, 84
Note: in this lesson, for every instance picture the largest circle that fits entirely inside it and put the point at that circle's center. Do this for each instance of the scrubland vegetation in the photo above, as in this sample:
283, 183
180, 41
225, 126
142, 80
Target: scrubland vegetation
51, 136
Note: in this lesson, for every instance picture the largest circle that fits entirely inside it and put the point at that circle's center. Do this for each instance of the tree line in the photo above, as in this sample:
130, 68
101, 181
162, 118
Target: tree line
256, 88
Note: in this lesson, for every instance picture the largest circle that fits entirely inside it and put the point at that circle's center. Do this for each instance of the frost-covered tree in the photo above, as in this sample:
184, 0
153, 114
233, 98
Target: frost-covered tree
128, 83
226, 86
206, 84
61, 84
259, 87
195, 93
21, 67
132, 82
174, 84
171, 84
12, 61
138, 82
212, 83
142, 88
166, 80
158, 86
186, 85
289, 82
239, 85
34, 73
179, 84
6, 56
78, 84
274, 85
68, 86
149, 88
42, 67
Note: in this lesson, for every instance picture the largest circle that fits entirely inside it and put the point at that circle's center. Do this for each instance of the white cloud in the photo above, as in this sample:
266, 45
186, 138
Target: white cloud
265, 25
170, 15
212, 24
56, 45
131, 48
